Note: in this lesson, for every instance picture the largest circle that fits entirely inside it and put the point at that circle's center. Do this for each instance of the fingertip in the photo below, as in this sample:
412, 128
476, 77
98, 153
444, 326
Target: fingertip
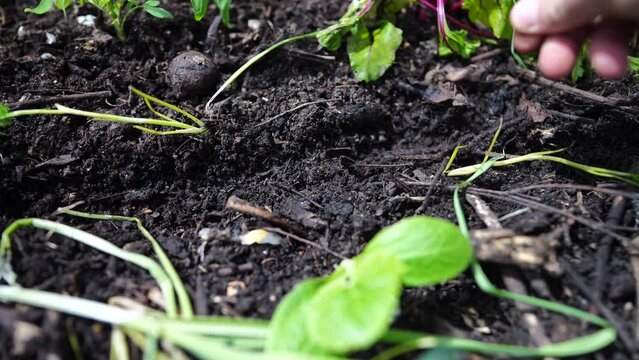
609, 50
557, 56
524, 16
526, 43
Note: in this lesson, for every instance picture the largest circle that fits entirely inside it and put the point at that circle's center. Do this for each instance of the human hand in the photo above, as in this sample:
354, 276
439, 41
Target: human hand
558, 28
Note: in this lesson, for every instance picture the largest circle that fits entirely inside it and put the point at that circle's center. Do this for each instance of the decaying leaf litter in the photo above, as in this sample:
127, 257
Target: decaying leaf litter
379, 146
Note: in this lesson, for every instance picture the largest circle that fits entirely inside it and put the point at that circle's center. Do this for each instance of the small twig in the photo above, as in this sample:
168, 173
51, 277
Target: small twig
512, 278
306, 241
310, 56
383, 165
58, 99
486, 55
587, 292
615, 216
600, 189
633, 250
601, 227
236, 204
532, 76
311, 201
570, 116
298, 107
432, 186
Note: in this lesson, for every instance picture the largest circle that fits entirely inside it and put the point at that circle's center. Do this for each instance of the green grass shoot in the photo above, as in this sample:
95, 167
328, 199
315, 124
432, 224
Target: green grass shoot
163, 125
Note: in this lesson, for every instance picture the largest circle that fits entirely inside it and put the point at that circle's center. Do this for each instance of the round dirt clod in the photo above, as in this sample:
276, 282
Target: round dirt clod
192, 73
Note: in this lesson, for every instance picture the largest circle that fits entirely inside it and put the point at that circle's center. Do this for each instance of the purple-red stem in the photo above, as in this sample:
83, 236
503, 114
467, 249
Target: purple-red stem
366, 7
459, 24
457, 5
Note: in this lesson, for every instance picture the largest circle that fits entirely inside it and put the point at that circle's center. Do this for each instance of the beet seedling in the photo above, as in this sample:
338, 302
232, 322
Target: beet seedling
200, 8
353, 308
118, 11
163, 121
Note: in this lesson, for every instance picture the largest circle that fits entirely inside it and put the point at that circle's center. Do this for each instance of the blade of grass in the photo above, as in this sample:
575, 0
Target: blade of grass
186, 309
494, 140
255, 59
453, 157
148, 99
70, 305
629, 178
99, 244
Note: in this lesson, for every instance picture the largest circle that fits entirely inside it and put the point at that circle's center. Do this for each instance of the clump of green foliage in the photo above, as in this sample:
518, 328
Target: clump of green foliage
352, 308
117, 11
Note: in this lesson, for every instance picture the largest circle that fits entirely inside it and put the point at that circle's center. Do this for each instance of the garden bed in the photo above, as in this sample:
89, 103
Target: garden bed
300, 136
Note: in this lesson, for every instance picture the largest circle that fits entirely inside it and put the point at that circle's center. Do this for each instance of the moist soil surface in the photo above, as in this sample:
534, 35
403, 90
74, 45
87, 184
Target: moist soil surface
299, 136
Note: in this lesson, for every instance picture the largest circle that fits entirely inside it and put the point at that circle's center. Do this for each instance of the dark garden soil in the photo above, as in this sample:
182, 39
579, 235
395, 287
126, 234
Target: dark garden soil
356, 159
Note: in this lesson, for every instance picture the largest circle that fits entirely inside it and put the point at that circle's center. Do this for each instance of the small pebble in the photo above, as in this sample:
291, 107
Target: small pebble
192, 73
86, 20
47, 56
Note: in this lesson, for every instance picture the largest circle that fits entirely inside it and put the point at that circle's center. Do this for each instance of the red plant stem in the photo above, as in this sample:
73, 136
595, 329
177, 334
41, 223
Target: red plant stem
457, 5
365, 8
441, 22
459, 24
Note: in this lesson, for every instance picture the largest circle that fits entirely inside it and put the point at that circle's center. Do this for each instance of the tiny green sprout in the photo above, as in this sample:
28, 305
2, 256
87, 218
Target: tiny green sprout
200, 8
118, 11
167, 124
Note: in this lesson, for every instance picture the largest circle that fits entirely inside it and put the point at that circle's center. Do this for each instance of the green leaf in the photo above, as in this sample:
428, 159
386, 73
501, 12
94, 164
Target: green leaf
199, 8
158, 12
225, 11
433, 250
392, 7
354, 309
459, 44
43, 7
331, 41
633, 64
5, 117
492, 14
370, 58
633, 67
581, 64
152, 3
63, 4
288, 326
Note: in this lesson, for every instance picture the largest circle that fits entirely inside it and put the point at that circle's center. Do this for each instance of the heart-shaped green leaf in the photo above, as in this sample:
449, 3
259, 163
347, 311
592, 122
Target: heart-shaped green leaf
288, 327
356, 307
433, 250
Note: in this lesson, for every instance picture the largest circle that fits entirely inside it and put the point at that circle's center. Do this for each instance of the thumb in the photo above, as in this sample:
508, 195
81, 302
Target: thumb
556, 16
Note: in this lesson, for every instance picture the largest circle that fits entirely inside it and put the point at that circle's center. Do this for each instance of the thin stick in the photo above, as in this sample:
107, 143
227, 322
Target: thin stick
586, 291
298, 107
431, 188
543, 207
633, 250
59, 99
242, 206
615, 216
600, 189
305, 241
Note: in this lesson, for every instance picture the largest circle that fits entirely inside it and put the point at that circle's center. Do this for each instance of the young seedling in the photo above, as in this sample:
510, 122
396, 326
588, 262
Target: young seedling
370, 54
144, 124
200, 8
118, 11
322, 318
